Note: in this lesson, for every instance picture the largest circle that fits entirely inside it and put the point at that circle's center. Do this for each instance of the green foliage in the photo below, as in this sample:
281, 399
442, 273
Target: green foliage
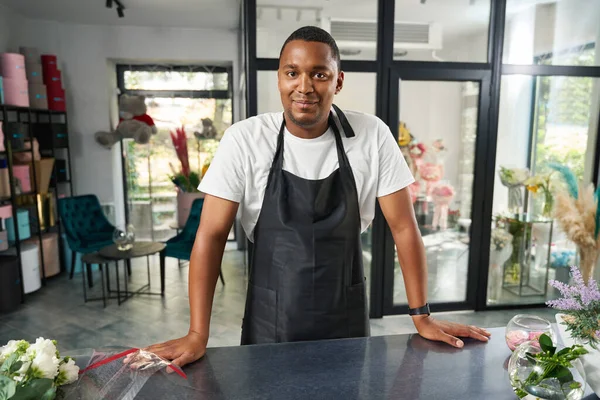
563, 102
8, 387
552, 364
36, 389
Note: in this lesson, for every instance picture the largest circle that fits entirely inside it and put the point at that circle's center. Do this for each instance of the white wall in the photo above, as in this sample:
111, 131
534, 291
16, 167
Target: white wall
550, 28
432, 110
8, 21
86, 54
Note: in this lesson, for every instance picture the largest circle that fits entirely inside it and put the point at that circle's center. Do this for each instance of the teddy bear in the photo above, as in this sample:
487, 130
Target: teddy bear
134, 123
208, 130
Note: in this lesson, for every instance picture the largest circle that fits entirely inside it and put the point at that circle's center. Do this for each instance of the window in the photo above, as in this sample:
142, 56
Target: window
188, 97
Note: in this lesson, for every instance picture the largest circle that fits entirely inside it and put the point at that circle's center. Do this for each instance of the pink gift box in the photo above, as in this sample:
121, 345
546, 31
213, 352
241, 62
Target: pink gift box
1, 138
6, 211
13, 66
51, 256
21, 172
16, 92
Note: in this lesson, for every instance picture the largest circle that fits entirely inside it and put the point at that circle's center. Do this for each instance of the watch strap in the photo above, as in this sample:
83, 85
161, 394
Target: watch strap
420, 310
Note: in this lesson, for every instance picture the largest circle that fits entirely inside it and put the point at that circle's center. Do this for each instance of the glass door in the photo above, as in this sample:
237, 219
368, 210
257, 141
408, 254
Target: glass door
438, 127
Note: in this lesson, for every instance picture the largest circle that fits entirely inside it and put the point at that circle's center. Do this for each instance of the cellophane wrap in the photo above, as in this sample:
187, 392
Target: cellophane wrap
109, 374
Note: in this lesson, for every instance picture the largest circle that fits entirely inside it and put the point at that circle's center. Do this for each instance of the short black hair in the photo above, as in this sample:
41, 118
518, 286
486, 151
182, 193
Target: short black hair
315, 34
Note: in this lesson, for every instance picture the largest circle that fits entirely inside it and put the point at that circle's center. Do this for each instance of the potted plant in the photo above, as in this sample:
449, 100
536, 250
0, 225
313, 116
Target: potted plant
185, 180
579, 320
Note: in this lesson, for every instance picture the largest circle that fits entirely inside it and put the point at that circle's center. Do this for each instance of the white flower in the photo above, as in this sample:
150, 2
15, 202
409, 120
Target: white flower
68, 373
42, 345
45, 365
8, 349
24, 368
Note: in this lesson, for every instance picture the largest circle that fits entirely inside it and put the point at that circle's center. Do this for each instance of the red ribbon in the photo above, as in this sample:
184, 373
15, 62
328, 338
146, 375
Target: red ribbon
123, 354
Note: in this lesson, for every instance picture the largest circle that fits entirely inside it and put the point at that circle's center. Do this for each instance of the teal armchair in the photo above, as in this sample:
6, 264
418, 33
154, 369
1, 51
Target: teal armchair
180, 246
86, 228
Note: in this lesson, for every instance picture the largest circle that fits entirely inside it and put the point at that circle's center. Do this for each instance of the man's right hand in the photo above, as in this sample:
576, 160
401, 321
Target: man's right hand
181, 351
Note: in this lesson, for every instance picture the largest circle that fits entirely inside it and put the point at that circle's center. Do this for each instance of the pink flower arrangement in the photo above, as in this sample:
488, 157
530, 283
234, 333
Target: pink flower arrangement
414, 189
443, 191
431, 172
518, 337
418, 150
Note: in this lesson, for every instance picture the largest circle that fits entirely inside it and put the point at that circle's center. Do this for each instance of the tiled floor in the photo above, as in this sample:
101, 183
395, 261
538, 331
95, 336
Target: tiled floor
57, 311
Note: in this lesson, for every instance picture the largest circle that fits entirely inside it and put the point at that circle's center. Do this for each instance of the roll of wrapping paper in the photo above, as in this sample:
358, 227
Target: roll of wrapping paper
46, 207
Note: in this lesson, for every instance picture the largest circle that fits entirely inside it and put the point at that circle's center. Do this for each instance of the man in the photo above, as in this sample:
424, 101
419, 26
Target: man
307, 181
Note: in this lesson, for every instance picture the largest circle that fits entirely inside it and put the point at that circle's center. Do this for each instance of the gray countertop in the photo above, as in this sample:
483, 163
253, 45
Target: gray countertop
381, 367
385, 367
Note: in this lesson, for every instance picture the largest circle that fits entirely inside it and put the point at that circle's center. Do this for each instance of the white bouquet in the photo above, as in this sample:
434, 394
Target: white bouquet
514, 179
34, 371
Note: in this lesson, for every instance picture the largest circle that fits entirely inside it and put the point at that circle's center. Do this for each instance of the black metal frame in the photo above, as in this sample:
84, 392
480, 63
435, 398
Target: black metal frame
489, 75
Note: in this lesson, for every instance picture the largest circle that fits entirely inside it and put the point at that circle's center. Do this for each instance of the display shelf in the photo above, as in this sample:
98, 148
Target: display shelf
32, 117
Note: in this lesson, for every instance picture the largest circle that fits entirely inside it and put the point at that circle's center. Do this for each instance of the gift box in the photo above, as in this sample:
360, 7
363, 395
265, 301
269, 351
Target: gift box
56, 100
61, 171
51, 136
35, 73
3, 241
42, 205
6, 211
23, 175
53, 78
16, 92
16, 133
4, 179
31, 54
2, 147
38, 98
30, 263
13, 66
10, 283
51, 254
26, 156
23, 225
49, 64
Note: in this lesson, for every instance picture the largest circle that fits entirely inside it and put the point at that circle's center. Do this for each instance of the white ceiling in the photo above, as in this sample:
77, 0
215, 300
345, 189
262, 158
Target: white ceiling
222, 14
456, 16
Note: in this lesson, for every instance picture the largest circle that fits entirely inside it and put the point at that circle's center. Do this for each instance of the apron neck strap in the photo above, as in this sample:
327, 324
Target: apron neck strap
348, 131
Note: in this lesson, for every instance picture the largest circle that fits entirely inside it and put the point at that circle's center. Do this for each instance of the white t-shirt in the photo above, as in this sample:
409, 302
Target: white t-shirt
241, 165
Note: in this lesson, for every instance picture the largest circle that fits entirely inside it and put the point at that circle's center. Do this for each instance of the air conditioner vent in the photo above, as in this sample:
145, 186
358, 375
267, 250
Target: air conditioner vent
366, 31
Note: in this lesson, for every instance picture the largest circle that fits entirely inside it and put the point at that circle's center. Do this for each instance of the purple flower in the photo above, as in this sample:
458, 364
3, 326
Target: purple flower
578, 296
565, 290
565, 304
577, 278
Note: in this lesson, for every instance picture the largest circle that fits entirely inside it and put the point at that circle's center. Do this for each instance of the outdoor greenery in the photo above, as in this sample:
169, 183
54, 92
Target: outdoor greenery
563, 107
156, 162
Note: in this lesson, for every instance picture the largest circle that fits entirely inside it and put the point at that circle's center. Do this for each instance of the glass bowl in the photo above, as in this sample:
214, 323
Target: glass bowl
523, 328
520, 368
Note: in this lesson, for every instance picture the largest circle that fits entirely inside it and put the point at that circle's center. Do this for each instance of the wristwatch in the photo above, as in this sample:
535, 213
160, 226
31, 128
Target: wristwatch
420, 310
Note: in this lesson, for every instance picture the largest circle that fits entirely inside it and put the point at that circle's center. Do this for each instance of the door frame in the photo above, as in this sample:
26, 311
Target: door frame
482, 76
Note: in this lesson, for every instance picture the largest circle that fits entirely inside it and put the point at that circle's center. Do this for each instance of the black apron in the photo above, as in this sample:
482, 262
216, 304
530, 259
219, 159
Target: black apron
306, 279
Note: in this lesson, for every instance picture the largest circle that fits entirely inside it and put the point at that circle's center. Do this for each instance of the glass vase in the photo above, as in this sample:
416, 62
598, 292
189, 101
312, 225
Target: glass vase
524, 328
530, 380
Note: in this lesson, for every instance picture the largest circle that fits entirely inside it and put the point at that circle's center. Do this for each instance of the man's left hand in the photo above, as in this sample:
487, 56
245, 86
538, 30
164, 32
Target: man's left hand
443, 331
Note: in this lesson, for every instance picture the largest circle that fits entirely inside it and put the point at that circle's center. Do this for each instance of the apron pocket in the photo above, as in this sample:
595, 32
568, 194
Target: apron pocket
261, 316
356, 308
